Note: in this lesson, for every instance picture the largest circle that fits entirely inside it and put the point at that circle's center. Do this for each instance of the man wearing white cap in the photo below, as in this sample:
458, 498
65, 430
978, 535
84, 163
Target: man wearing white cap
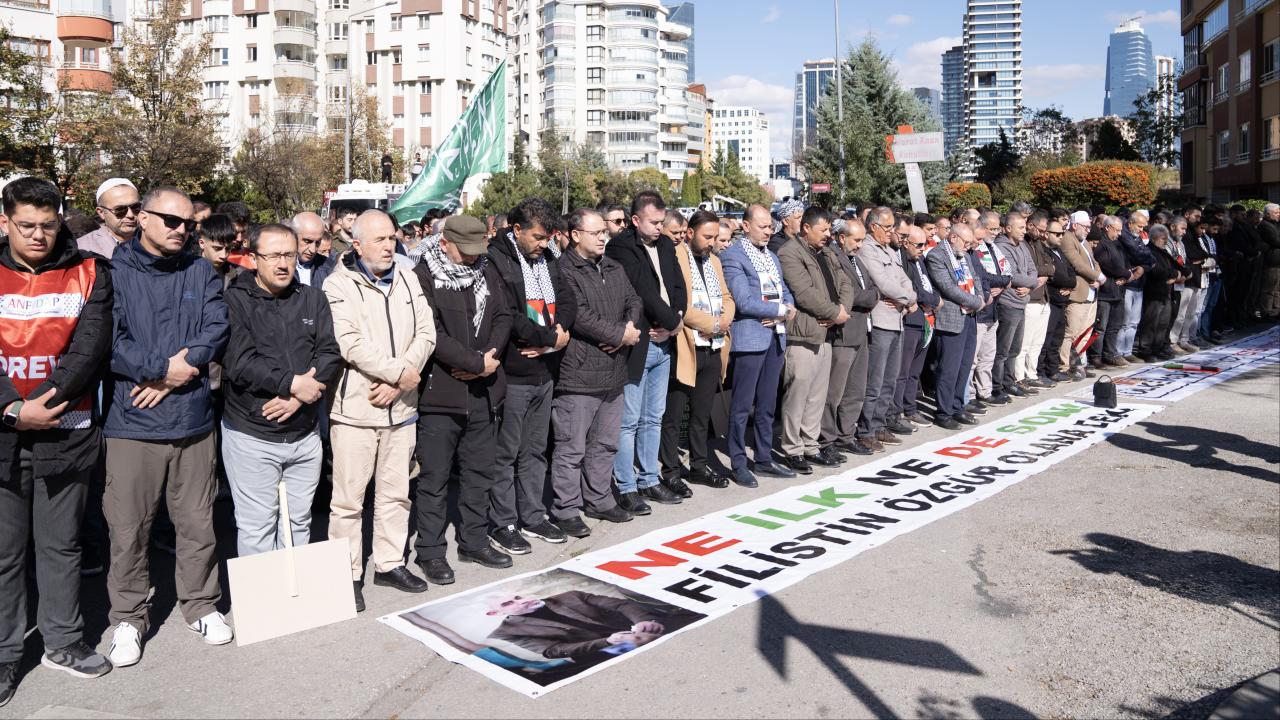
1083, 308
117, 208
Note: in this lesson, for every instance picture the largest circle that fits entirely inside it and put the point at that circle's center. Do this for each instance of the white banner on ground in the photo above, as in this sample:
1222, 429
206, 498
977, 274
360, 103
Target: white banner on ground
1157, 382
542, 630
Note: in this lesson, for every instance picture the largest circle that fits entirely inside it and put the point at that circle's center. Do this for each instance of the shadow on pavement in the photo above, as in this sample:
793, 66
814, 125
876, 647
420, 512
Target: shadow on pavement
936, 707
777, 626
1206, 577
1198, 447
1167, 708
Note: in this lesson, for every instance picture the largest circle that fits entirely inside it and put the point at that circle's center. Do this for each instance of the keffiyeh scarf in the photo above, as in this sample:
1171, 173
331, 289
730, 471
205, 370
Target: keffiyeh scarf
539, 293
705, 297
769, 274
448, 275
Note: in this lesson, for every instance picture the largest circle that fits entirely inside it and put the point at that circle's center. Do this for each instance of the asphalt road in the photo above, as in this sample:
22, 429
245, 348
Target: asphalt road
1140, 578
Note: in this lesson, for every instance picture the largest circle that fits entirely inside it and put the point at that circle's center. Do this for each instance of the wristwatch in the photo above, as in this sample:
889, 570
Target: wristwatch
10, 418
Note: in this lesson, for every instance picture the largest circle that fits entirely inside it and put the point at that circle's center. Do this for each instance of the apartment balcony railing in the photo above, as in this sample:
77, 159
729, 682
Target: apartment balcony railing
1242, 158
1269, 154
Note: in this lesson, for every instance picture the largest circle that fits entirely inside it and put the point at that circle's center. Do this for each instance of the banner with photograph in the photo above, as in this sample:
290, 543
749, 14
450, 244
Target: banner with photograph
1157, 382
540, 631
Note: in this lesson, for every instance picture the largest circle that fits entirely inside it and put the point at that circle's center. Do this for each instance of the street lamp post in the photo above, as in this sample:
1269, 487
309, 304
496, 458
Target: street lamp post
839, 100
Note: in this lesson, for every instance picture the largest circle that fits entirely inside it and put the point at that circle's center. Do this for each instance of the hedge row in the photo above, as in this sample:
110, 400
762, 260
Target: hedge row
1104, 182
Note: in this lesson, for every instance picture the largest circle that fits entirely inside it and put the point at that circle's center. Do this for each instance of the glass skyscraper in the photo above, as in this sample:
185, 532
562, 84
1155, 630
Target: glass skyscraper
811, 86
1131, 70
953, 98
992, 70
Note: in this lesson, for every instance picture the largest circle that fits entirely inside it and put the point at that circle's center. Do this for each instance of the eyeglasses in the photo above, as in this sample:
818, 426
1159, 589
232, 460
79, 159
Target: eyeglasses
1060, 233
273, 258
886, 228
920, 244
28, 229
173, 222
617, 221
120, 211
596, 233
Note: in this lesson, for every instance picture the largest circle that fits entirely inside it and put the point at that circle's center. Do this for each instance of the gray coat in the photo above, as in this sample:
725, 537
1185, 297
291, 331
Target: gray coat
949, 317
1022, 268
884, 266
802, 274
604, 302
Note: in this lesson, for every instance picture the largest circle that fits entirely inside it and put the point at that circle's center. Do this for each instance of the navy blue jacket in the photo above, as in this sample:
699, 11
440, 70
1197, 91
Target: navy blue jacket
985, 281
1136, 253
923, 298
162, 305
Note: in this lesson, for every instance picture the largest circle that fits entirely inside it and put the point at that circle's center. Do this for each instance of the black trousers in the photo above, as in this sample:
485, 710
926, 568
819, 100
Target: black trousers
1153, 331
908, 387
698, 399
470, 440
1053, 337
1108, 323
1008, 345
47, 511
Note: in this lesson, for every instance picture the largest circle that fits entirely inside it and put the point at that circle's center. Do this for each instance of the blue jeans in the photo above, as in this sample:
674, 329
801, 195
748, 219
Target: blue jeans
643, 405
1132, 316
1210, 302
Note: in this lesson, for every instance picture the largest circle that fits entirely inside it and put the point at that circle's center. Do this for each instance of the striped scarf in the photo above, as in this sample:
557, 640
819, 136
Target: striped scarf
449, 275
705, 297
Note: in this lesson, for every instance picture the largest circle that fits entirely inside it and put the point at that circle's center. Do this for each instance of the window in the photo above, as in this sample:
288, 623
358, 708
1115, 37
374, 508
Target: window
251, 53
395, 22
339, 4
215, 90
1221, 79
215, 23
468, 55
595, 33
89, 56
1246, 69
1224, 147
595, 96
424, 87
337, 62
337, 31
424, 22
371, 58
595, 53
1243, 144
219, 56
424, 118
337, 93
595, 118
1271, 137
397, 57
1217, 22
595, 11
251, 21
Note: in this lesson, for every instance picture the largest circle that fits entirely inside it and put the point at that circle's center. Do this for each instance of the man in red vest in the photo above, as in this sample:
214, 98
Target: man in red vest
55, 335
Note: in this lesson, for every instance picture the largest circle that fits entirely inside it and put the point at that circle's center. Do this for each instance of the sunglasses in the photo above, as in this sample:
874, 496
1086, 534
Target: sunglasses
120, 211
173, 222
1060, 233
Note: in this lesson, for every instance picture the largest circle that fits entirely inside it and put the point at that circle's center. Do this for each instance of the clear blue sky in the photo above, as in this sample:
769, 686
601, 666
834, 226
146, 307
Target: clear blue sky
748, 51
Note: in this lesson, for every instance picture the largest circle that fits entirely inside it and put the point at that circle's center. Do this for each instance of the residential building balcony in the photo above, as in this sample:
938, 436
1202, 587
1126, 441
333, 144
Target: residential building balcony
86, 22
78, 76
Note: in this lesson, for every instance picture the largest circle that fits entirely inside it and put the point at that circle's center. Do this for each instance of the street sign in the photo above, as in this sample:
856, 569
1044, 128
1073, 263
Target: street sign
917, 148
820, 187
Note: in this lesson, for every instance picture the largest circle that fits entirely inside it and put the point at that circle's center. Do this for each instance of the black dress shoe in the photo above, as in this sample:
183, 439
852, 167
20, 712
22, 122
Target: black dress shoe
947, 422
437, 571
916, 418
573, 527
359, 596
660, 494
485, 556
845, 446
632, 503
678, 487
772, 469
798, 463
708, 477
1077, 376
1016, 391
1060, 377
744, 478
976, 407
965, 418
854, 448
614, 514
401, 579
999, 399
1041, 383
825, 458
898, 427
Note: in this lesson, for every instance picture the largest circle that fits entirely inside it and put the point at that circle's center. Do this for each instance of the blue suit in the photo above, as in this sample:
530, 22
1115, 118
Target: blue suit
756, 354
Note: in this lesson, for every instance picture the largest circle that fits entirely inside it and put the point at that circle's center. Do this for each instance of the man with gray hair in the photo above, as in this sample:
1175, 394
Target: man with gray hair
1133, 240
883, 264
1269, 288
313, 267
385, 331
1110, 311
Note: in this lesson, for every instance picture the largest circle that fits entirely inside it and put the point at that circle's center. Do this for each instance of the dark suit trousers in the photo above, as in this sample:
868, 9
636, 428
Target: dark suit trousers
1008, 344
698, 399
755, 385
955, 362
470, 439
1050, 354
1110, 320
846, 393
884, 360
1153, 332
908, 385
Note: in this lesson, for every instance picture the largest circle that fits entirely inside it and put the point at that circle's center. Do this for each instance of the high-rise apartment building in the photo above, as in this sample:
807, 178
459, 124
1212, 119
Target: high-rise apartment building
682, 13
931, 98
811, 86
699, 127
1231, 99
953, 98
744, 132
70, 38
1131, 70
992, 70
612, 76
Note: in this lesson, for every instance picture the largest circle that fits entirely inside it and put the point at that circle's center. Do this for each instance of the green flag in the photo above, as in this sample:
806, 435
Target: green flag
476, 144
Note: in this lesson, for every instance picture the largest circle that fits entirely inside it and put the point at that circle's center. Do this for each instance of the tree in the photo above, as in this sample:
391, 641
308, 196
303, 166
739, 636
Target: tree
159, 131
505, 190
996, 160
282, 167
691, 189
1109, 143
370, 135
1016, 185
1157, 123
1049, 131
875, 104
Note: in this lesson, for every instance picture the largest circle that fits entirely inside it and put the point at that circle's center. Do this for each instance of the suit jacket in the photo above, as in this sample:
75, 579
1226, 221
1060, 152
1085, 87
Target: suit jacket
697, 321
1080, 257
1111, 259
884, 266
628, 250
865, 298
1137, 254
589, 620
750, 307
814, 302
949, 317
923, 297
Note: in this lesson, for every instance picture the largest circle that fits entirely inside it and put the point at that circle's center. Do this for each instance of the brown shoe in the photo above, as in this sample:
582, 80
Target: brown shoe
870, 444
888, 438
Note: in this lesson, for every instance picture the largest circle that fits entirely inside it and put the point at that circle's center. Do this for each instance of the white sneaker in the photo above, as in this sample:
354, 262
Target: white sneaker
213, 628
126, 646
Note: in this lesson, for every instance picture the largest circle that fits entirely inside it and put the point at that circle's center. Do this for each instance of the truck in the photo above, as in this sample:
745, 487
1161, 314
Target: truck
361, 195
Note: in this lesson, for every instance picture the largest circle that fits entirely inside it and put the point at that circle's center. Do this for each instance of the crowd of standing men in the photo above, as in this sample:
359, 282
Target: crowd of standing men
540, 365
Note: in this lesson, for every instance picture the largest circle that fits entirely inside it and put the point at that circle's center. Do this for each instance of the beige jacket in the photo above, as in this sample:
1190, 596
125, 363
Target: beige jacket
380, 334
1080, 257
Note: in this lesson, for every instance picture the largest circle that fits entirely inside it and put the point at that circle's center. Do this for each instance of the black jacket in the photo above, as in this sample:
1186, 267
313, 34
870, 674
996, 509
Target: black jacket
271, 340
1196, 256
865, 299
628, 250
605, 302
1137, 254
777, 241
1111, 258
1164, 267
525, 333
1063, 278
924, 298
78, 370
460, 346
989, 280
